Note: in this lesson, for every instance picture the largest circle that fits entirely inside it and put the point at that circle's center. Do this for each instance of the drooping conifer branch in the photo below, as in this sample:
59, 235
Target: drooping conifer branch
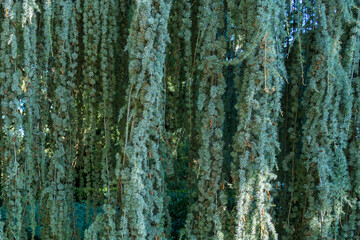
12, 102
256, 142
328, 99
142, 175
204, 217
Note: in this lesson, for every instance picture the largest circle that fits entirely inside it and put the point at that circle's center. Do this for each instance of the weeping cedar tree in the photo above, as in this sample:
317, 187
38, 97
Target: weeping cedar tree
160, 119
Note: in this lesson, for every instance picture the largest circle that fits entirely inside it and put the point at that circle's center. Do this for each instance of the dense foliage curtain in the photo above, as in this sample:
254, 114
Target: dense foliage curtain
179, 119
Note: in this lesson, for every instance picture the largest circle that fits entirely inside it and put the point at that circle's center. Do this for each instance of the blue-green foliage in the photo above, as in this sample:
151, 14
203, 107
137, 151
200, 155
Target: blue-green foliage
204, 220
256, 142
328, 98
142, 170
161, 119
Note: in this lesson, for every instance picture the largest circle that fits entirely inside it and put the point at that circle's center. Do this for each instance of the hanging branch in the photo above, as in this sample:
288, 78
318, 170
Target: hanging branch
204, 217
256, 142
12, 104
329, 102
143, 197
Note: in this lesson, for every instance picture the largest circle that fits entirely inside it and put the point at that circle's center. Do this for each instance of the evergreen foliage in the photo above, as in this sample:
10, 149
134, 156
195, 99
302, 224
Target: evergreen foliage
205, 215
142, 173
161, 119
256, 142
